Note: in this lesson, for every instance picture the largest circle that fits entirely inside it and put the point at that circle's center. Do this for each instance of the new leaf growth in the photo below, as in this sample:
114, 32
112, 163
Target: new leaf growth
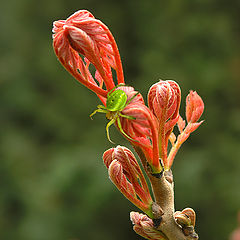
82, 40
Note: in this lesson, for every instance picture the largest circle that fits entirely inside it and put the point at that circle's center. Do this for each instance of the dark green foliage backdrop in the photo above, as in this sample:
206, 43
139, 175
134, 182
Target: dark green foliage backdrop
53, 184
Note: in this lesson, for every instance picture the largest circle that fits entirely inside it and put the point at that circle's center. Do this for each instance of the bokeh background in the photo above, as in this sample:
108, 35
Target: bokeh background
53, 185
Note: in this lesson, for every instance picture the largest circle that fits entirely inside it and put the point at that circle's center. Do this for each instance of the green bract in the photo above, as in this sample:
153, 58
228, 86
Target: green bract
116, 102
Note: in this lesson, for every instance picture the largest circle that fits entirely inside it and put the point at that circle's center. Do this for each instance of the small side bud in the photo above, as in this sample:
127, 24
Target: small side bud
186, 217
190, 213
182, 219
194, 107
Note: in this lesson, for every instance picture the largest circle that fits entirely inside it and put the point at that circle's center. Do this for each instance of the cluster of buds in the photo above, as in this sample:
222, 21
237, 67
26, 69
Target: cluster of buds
82, 40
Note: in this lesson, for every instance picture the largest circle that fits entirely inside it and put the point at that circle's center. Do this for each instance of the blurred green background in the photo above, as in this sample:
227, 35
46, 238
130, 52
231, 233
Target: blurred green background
53, 185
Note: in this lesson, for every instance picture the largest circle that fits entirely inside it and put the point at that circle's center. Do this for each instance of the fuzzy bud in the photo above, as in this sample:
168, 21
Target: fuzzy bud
126, 174
194, 107
164, 99
186, 217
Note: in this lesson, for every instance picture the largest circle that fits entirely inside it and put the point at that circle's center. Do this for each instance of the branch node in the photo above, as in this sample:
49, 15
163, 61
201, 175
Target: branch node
169, 176
157, 222
156, 210
157, 175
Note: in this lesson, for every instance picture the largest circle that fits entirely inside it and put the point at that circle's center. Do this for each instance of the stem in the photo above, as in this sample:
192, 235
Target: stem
175, 148
164, 197
161, 136
173, 153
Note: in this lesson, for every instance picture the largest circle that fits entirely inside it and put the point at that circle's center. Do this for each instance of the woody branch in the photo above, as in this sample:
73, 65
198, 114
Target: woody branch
81, 40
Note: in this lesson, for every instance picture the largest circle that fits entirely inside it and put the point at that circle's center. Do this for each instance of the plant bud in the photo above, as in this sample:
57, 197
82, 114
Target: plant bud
190, 213
164, 99
194, 107
186, 217
126, 174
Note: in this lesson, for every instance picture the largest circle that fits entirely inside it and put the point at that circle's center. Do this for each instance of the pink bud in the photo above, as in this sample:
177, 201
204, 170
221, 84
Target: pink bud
144, 226
116, 174
126, 174
164, 99
194, 110
124, 156
194, 107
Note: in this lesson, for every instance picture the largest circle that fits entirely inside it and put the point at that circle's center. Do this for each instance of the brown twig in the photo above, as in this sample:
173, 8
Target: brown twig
163, 191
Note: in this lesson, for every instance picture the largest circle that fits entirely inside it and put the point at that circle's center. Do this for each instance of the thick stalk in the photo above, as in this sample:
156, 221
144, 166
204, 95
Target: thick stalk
164, 197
